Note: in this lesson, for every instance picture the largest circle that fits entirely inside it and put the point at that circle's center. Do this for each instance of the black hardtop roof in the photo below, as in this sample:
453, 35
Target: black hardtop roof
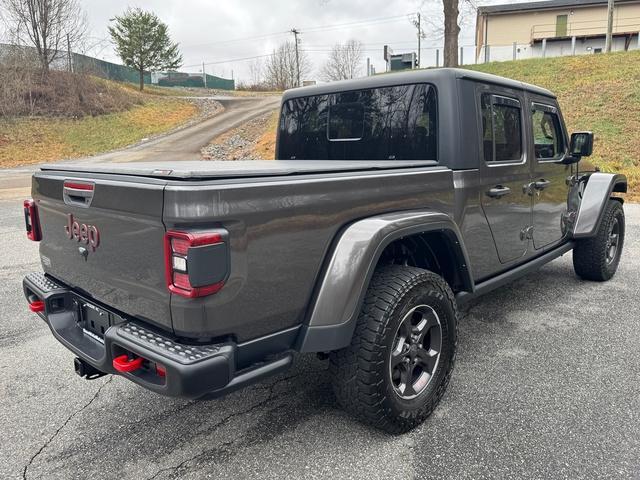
434, 75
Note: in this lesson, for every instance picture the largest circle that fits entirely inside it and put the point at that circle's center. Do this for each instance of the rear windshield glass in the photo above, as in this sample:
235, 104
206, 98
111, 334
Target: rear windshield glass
389, 123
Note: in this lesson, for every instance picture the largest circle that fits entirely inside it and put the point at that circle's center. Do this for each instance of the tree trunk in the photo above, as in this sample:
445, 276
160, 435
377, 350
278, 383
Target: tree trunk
44, 63
451, 32
141, 79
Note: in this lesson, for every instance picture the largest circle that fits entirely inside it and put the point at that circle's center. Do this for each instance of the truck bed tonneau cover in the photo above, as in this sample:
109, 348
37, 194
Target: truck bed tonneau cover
202, 170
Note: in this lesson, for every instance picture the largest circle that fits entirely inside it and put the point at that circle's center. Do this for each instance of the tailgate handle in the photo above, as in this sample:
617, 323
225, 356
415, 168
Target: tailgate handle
78, 194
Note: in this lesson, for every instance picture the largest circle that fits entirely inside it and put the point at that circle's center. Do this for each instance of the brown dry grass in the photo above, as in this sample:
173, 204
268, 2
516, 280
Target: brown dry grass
40, 139
265, 147
28, 92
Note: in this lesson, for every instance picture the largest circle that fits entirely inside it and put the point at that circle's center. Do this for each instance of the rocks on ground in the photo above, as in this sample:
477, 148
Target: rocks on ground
207, 108
239, 143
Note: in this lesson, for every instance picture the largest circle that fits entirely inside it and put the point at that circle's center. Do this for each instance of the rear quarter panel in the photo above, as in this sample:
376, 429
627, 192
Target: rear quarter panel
280, 230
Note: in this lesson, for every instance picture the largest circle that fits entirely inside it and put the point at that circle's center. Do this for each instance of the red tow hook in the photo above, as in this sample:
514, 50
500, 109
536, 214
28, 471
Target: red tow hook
37, 306
124, 364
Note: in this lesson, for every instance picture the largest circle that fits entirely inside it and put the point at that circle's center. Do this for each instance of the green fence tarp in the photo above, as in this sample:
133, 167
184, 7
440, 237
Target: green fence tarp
197, 82
113, 71
108, 70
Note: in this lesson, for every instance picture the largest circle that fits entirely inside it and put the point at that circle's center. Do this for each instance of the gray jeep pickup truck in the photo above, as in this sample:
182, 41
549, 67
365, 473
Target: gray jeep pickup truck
393, 199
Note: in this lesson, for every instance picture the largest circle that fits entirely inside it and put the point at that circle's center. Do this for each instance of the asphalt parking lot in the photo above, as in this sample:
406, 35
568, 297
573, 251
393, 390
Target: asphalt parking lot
547, 385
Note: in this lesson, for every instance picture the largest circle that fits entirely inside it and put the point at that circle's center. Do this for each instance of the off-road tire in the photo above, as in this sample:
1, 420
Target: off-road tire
590, 254
361, 372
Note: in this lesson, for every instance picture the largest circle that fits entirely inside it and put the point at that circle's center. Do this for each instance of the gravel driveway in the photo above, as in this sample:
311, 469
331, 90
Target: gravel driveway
547, 385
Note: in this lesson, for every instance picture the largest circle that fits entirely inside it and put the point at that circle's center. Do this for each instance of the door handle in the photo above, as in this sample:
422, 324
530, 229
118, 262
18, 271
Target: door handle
498, 191
541, 184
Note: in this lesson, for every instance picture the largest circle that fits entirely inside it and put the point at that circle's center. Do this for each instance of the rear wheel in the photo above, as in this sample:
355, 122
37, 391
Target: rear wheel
597, 258
402, 353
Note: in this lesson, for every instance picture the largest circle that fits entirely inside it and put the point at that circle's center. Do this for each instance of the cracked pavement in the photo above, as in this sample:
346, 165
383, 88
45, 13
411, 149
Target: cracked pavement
547, 385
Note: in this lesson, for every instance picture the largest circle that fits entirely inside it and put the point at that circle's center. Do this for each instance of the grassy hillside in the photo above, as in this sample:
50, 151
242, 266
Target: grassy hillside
596, 92
92, 116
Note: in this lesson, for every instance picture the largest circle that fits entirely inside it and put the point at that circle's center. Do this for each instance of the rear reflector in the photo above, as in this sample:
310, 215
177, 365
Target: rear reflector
32, 221
195, 262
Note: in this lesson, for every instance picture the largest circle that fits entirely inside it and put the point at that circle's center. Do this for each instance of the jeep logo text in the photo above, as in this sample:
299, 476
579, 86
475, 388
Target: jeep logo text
83, 233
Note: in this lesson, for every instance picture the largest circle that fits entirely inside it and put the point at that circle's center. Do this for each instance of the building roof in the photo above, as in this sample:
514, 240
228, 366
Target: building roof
545, 5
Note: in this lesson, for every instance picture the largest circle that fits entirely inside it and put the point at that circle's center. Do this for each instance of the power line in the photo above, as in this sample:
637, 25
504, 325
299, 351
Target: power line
231, 60
355, 23
236, 40
310, 30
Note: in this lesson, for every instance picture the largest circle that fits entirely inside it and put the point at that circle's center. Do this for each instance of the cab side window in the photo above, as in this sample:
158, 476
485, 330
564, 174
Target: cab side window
502, 128
547, 133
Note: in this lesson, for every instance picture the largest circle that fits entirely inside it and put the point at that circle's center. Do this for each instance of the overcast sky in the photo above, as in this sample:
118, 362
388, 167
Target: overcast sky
207, 30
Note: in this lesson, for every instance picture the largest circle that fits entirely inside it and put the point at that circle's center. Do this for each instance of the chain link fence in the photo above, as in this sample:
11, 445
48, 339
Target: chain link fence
75, 62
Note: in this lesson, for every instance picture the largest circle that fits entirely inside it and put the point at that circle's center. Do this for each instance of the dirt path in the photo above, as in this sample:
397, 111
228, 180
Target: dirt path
180, 145
186, 144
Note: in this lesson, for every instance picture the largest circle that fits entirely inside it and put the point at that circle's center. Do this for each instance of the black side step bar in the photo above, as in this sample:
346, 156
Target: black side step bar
513, 274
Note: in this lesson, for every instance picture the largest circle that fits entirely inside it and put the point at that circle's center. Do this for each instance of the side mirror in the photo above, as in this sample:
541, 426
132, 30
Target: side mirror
581, 144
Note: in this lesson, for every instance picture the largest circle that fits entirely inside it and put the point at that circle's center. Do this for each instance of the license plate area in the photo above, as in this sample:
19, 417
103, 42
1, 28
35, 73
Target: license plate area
94, 319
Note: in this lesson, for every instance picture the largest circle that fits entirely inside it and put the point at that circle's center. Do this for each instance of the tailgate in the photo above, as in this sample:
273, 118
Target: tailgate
104, 236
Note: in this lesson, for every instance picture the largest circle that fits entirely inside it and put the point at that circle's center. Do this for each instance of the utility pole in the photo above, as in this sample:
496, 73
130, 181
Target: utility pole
419, 37
204, 76
295, 36
69, 54
418, 24
607, 45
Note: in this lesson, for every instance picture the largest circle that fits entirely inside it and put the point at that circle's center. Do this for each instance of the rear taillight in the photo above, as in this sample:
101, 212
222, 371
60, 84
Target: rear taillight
196, 263
32, 221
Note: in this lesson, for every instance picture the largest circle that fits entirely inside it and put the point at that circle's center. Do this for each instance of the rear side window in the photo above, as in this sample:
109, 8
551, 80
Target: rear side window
502, 128
547, 132
388, 123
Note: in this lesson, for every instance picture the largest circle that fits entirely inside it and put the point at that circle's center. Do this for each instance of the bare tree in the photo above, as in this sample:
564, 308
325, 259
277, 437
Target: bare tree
451, 33
345, 61
447, 26
48, 25
280, 68
256, 72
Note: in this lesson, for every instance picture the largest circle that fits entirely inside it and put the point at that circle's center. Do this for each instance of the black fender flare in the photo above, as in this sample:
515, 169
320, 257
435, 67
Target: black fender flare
344, 280
597, 191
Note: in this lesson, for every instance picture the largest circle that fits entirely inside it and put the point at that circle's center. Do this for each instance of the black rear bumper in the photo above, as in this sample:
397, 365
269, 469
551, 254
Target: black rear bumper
168, 367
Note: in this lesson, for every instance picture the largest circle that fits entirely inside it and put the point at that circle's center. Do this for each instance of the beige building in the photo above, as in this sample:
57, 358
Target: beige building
554, 28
